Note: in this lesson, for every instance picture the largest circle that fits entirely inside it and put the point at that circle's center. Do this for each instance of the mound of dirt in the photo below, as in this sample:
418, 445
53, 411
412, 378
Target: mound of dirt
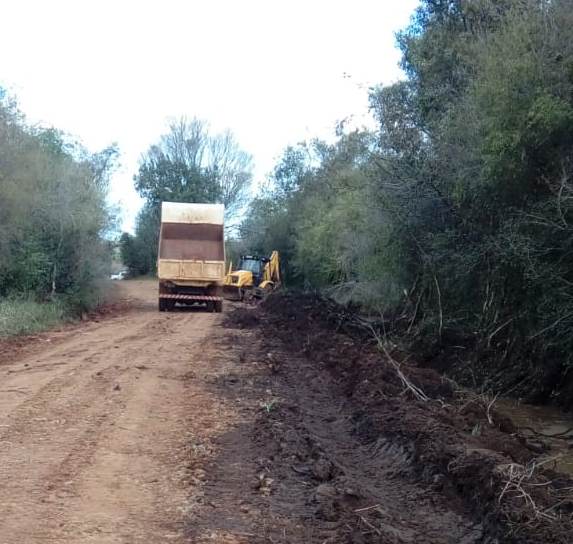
451, 442
242, 318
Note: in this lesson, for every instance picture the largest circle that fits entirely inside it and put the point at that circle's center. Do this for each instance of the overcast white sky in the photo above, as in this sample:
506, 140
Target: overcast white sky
273, 71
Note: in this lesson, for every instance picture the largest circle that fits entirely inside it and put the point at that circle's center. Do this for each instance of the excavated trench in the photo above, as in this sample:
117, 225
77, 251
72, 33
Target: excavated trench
375, 462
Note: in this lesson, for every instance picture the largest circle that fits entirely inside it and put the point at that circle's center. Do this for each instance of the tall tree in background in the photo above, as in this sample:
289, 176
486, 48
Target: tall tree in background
188, 164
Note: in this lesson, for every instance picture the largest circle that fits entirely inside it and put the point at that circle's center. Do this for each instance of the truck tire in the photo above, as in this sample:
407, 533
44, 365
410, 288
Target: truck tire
218, 306
161, 305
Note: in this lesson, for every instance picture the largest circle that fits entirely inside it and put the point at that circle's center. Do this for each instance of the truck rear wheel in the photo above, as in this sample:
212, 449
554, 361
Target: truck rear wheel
218, 306
166, 305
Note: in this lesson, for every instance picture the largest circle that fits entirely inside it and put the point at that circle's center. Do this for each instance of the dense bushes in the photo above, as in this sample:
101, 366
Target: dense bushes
458, 210
53, 217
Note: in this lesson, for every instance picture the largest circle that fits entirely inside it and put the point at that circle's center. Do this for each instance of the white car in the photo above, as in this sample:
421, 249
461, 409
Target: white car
119, 276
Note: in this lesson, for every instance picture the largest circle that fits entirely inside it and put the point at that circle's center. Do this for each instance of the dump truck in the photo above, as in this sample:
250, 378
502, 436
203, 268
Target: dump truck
191, 259
254, 278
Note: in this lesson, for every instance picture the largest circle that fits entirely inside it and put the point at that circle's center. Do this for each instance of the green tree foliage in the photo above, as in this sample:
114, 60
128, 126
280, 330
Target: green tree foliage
459, 208
322, 213
53, 212
139, 251
188, 164
492, 166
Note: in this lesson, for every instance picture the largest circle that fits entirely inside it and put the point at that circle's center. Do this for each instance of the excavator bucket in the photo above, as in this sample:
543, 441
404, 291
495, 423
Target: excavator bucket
264, 291
232, 292
231, 289
237, 284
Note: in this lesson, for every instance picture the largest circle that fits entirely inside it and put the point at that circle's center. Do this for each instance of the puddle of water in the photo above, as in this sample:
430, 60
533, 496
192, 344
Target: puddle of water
546, 420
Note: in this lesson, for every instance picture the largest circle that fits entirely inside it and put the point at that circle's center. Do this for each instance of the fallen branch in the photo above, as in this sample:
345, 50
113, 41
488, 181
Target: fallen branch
367, 508
440, 306
516, 474
519, 479
489, 406
417, 392
565, 435
369, 525
366, 325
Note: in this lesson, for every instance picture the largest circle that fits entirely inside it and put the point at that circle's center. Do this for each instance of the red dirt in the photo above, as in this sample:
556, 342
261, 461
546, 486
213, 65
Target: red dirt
266, 425
443, 452
13, 346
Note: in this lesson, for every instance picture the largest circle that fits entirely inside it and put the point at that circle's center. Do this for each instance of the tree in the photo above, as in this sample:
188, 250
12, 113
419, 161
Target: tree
53, 211
188, 164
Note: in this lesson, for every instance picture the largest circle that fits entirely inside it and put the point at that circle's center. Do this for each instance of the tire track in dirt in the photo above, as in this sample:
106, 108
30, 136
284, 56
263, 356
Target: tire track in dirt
91, 448
289, 467
370, 480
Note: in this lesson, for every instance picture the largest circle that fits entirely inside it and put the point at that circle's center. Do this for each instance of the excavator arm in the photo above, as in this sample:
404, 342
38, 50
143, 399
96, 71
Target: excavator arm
271, 273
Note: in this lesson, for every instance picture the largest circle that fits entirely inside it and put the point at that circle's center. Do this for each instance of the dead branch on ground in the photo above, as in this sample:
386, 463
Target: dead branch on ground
521, 480
360, 323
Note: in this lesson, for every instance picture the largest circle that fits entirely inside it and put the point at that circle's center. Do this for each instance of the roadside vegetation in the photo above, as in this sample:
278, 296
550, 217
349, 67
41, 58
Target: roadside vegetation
53, 224
454, 218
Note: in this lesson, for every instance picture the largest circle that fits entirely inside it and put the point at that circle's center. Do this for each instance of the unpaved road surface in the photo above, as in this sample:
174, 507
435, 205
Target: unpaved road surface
183, 428
94, 428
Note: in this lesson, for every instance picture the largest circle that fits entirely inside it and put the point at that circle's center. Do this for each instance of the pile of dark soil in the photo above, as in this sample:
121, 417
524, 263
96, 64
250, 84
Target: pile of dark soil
457, 446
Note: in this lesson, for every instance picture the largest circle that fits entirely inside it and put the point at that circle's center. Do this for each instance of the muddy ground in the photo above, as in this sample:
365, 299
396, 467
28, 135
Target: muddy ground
440, 462
261, 425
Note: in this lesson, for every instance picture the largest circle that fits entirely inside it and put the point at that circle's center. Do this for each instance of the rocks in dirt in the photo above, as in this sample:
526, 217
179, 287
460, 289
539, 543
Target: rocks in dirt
188, 376
262, 484
117, 387
537, 446
322, 469
199, 474
328, 506
352, 493
272, 363
438, 482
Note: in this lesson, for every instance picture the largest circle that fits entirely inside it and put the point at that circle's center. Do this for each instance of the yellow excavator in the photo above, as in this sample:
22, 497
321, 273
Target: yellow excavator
255, 277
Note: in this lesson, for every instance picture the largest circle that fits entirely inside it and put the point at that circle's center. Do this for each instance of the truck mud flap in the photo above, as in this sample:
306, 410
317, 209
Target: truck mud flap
190, 298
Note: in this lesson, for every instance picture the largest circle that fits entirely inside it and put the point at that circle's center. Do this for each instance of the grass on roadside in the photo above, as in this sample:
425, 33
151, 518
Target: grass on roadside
26, 316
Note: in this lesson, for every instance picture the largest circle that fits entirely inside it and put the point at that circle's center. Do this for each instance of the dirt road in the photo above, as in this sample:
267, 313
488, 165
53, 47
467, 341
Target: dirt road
95, 427
182, 427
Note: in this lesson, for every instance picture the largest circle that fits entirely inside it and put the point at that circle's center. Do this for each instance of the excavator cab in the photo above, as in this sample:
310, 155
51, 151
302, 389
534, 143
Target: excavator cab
254, 277
254, 265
